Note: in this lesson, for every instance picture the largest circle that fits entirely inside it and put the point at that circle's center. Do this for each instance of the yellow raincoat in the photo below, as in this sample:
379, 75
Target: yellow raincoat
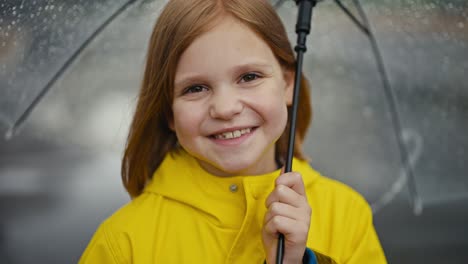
186, 215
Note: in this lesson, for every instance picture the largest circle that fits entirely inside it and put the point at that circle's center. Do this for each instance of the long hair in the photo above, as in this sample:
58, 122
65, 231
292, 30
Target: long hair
179, 24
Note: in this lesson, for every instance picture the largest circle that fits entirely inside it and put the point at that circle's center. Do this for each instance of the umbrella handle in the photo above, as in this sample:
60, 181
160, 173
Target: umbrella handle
302, 30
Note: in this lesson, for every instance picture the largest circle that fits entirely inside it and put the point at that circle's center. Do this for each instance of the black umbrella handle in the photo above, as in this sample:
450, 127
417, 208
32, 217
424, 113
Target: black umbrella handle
302, 29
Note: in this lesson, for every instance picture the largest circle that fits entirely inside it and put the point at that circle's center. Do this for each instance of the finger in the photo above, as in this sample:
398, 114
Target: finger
282, 209
293, 180
285, 194
292, 230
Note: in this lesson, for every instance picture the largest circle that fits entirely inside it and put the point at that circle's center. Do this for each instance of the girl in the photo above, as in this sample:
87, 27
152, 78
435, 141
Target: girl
203, 157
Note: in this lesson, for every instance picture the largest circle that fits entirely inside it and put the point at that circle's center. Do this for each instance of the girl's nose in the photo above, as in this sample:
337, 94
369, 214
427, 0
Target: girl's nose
225, 105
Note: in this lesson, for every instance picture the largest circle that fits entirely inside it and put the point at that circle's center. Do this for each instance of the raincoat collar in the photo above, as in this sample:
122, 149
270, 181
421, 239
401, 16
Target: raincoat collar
222, 199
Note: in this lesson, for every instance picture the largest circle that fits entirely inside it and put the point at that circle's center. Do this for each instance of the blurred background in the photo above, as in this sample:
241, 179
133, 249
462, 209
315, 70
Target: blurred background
83, 59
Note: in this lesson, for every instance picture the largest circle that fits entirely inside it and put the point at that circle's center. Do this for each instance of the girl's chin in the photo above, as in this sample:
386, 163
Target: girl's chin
235, 169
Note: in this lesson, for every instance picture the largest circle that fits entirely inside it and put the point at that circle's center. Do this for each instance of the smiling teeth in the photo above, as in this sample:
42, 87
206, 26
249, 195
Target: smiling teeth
233, 134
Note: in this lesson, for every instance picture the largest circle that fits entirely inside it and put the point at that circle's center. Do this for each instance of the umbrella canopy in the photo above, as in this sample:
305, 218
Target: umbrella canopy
90, 57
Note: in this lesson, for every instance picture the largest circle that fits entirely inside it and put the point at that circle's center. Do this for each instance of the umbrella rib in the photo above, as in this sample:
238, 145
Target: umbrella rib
395, 116
359, 24
64, 67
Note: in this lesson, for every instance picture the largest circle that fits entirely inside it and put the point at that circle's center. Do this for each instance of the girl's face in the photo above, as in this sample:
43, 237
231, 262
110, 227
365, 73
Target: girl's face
230, 101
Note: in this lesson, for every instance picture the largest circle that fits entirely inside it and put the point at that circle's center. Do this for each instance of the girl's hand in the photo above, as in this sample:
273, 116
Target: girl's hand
288, 213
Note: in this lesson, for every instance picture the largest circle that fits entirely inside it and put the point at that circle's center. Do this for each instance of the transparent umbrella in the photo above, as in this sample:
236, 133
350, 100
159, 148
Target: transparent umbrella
422, 42
83, 61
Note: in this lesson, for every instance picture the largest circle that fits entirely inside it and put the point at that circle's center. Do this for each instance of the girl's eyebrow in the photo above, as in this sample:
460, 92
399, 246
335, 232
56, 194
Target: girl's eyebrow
237, 70
265, 67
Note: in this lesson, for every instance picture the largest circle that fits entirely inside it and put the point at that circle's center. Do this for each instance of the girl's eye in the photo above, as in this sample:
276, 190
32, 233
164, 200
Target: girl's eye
250, 77
194, 89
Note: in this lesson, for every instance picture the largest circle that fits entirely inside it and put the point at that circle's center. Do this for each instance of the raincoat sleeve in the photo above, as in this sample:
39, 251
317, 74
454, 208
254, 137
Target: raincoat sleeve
365, 243
105, 247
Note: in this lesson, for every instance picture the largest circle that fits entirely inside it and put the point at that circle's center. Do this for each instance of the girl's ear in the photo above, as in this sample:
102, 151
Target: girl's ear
289, 81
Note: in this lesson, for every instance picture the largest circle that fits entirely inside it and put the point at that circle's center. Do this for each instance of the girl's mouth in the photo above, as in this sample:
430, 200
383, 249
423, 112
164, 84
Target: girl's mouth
233, 134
